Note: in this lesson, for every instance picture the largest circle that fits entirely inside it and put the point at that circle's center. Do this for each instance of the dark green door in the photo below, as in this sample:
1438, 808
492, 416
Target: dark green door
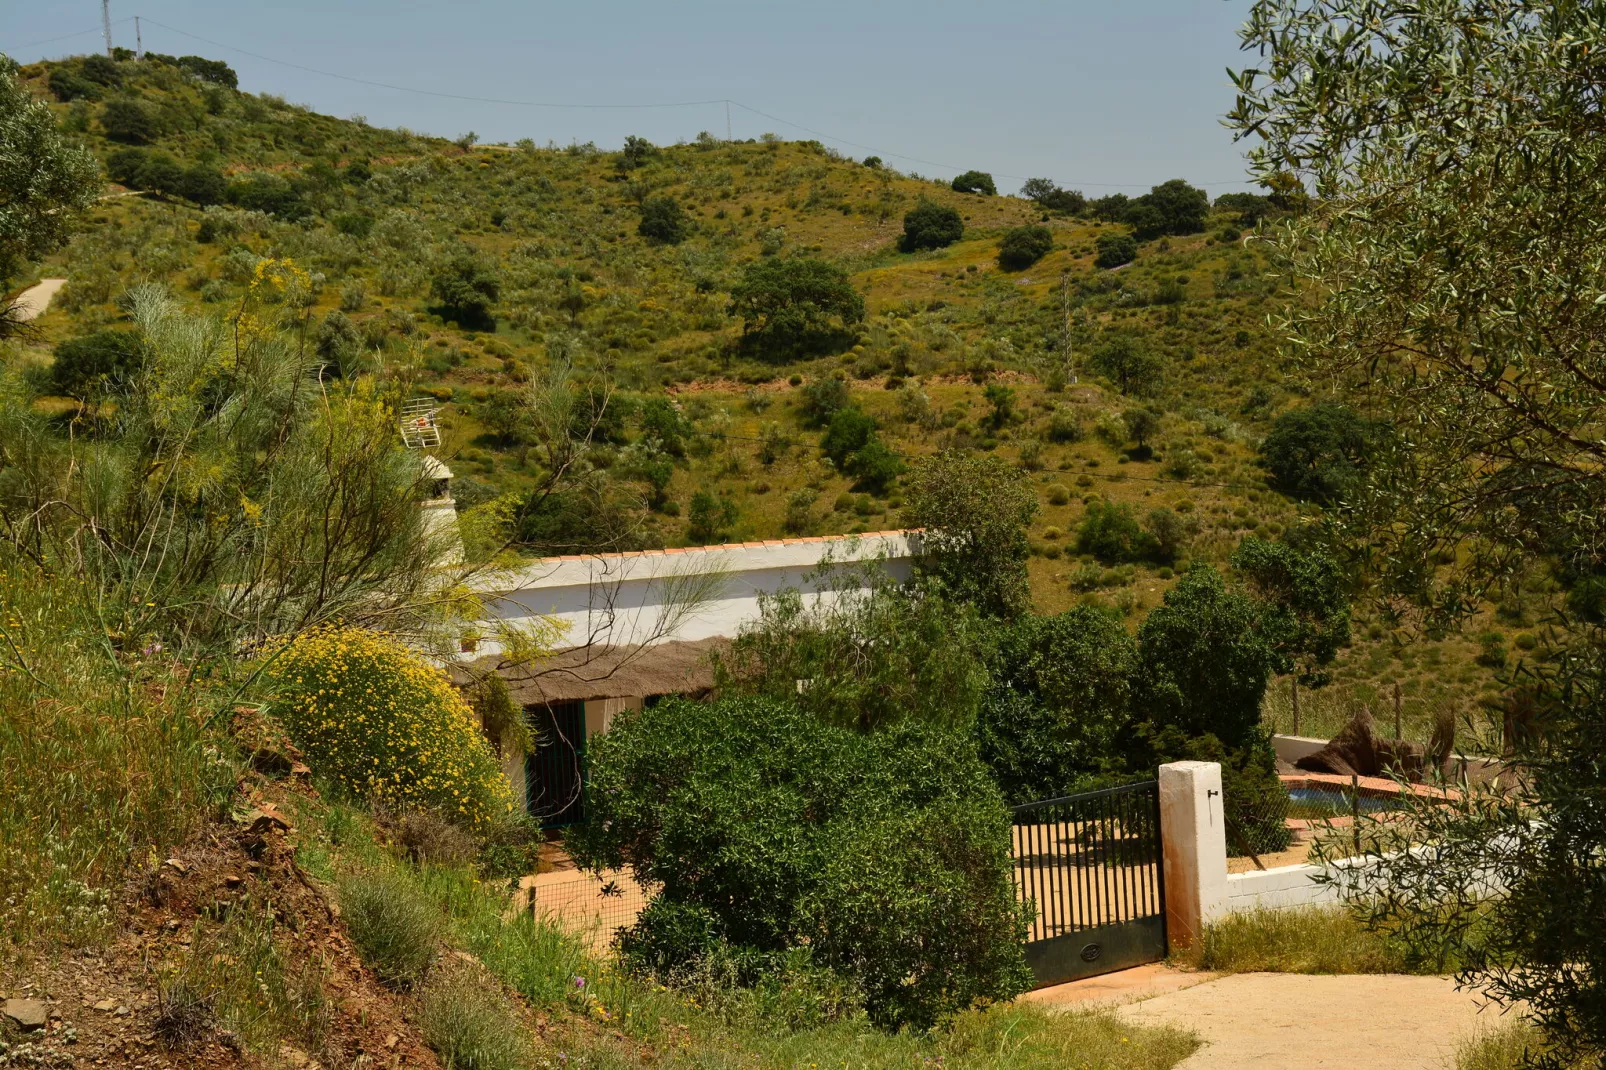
554, 776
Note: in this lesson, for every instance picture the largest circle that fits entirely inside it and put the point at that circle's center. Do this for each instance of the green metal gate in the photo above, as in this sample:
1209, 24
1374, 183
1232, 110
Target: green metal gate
1092, 868
554, 776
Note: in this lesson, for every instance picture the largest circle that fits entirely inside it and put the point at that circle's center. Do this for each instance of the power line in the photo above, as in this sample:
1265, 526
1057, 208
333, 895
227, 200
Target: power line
607, 107
425, 92
69, 36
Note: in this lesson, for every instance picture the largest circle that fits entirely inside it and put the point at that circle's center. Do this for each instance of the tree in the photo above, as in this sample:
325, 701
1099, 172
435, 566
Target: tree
973, 510
44, 182
1319, 452
796, 305
270, 194
1127, 360
1059, 703
709, 518
1001, 399
1172, 207
636, 151
203, 185
214, 71
1251, 208
1021, 247
466, 288
95, 363
876, 654
770, 833
1451, 254
822, 398
662, 221
1170, 533
1051, 198
130, 121
1115, 250
1141, 425
160, 173
874, 466
929, 225
975, 182
850, 430
1204, 660
1110, 532
1307, 600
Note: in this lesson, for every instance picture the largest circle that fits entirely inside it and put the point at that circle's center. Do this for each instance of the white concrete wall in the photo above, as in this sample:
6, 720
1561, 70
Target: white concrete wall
1284, 886
624, 599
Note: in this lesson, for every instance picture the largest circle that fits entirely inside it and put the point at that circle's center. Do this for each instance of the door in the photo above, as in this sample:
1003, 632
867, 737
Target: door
1091, 867
554, 776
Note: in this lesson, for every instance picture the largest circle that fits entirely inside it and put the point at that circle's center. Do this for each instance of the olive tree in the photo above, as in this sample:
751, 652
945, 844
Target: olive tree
974, 509
44, 181
1451, 277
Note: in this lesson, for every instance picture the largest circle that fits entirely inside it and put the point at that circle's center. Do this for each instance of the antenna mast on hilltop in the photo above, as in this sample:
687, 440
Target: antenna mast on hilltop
106, 25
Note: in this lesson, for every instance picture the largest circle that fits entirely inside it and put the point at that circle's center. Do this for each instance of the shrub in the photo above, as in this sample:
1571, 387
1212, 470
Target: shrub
384, 724
160, 173
1064, 426
874, 466
67, 86
397, 931
214, 71
470, 1024
96, 363
1021, 247
1110, 532
850, 430
1115, 250
822, 398
975, 182
663, 221
203, 185
1051, 198
466, 287
931, 226
1128, 361
357, 224
975, 510
1318, 452
270, 194
1172, 207
795, 306
124, 165
129, 121
762, 824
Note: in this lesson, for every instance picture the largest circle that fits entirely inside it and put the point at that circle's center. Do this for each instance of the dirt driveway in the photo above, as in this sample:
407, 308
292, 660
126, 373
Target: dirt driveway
1278, 1020
33, 301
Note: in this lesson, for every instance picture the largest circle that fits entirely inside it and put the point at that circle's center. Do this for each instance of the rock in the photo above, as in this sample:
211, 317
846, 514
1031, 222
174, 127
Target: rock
122, 1011
26, 1014
263, 819
177, 864
233, 880
392, 1040
106, 1005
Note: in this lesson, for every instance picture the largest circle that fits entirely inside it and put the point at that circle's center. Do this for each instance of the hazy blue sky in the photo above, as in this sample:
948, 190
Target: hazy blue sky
1117, 94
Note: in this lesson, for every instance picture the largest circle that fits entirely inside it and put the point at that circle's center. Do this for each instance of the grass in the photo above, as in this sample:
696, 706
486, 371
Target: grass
1302, 940
106, 758
469, 1022
599, 1018
396, 929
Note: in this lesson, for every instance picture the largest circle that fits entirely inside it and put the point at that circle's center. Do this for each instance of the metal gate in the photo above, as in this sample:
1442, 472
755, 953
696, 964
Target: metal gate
554, 776
1091, 866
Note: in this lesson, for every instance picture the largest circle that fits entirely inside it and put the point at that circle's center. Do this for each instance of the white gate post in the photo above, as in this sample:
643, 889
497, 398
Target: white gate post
1193, 836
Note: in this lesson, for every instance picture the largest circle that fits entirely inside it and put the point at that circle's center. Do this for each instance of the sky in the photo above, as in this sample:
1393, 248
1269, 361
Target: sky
1107, 96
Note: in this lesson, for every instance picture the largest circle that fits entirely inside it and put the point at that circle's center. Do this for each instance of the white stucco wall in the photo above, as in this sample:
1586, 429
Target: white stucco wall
624, 599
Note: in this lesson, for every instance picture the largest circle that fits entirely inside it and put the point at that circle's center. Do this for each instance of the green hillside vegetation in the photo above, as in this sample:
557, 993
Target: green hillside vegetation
759, 287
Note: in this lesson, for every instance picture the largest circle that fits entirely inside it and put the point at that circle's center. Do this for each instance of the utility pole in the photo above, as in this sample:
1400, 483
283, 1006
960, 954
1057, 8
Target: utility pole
106, 25
139, 42
727, 122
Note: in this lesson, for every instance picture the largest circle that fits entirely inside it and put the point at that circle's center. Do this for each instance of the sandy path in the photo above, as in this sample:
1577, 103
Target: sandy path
33, 301
1266, 1020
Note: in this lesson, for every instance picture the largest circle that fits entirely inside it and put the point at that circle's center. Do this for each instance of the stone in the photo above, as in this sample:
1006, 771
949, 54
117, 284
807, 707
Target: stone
106, 1005
26, 1014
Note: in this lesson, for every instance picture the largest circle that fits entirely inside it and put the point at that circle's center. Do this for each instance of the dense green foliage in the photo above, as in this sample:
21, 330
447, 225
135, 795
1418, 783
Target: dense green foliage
973, 511
1318, 452
797, 305
1021, 247
1452, 260
1129, 362
43, 180
96, 363
761, 825
1115, 250
974, 182
931, 226
466, 288
662, 220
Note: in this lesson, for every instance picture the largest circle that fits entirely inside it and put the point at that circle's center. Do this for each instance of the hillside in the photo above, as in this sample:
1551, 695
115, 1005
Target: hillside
377, 215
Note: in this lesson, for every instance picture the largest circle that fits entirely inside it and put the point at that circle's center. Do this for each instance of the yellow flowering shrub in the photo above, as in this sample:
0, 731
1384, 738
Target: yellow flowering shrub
377, 718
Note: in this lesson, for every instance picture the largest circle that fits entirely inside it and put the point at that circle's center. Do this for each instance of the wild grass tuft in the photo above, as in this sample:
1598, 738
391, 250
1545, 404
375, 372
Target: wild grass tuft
1302, 940
396, 929
469, 1023
106, 757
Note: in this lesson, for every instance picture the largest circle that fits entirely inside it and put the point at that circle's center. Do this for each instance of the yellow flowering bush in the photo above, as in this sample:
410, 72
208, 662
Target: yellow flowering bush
375, 717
